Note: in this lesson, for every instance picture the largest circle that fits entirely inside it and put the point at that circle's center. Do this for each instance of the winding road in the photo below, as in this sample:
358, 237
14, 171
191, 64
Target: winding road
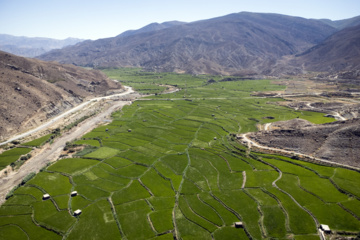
251, 143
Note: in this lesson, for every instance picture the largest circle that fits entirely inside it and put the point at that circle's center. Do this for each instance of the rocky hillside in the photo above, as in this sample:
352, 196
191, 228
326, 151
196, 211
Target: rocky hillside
339, 52
338, 141
241, 43
31, 91
31, 47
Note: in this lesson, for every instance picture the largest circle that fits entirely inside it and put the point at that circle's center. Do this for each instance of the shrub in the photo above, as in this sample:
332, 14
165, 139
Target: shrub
28, 178
11, 193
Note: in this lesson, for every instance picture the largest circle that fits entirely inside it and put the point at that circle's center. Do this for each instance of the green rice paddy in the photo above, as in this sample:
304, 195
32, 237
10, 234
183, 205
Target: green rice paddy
180, 173
12, 155
39, 141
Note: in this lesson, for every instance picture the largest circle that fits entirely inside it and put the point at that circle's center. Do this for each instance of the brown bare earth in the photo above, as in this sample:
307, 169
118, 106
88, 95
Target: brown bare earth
337, 142
32, 91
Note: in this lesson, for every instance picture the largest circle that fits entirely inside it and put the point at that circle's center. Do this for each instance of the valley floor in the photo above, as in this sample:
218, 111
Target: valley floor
170, 167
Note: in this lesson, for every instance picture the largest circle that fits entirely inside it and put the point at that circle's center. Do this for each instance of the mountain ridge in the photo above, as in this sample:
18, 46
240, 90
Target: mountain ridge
151, 27
344, 23
32, 46
239, 43
340, 50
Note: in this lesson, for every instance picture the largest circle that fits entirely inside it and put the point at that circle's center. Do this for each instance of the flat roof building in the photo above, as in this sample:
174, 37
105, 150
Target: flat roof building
46, 196
239, 224
74, 193
77, 212
325, 228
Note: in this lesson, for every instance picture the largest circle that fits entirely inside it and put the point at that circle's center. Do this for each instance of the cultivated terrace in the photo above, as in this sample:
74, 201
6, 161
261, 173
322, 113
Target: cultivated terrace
169, 166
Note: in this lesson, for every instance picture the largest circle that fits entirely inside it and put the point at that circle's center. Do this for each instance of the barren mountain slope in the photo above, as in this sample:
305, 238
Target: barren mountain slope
338, 141
32, 91
234, 44
339, 52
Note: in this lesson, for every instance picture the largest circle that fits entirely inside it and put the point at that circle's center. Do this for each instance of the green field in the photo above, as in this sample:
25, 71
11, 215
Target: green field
12, 155
39, 141
179, 173
18, 155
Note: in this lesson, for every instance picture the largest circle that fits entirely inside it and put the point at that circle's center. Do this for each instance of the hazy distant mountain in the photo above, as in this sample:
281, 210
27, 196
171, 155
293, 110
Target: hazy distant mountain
237, 43
339, 52
151, 27
31, 91
31, 47
341, 24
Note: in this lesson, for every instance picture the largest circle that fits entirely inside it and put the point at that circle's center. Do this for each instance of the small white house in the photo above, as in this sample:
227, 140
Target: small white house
215, 138
46, 196
325, 228
77, 212
239, 225
74, 193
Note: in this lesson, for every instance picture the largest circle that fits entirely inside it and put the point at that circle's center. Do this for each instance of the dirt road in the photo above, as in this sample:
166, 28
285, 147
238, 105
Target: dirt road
250, 143
53, 151
129, 90
244, 180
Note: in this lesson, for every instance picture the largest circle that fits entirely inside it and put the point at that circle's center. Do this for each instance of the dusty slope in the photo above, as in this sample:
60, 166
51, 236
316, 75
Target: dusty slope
240, 43
339, 52
32, 91
338, 141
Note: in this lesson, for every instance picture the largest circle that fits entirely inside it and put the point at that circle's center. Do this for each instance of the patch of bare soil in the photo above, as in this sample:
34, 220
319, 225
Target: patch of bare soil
304, 94
337, 142
340, 109
169, 89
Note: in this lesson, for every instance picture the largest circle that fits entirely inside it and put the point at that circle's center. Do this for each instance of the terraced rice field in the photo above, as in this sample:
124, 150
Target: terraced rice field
180, 173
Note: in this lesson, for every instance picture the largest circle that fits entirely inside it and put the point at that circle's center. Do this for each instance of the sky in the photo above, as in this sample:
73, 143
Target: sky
94, 19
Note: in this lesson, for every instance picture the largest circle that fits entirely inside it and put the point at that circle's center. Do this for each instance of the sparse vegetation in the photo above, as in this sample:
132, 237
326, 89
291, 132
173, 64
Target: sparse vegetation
28, 178
75, 123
